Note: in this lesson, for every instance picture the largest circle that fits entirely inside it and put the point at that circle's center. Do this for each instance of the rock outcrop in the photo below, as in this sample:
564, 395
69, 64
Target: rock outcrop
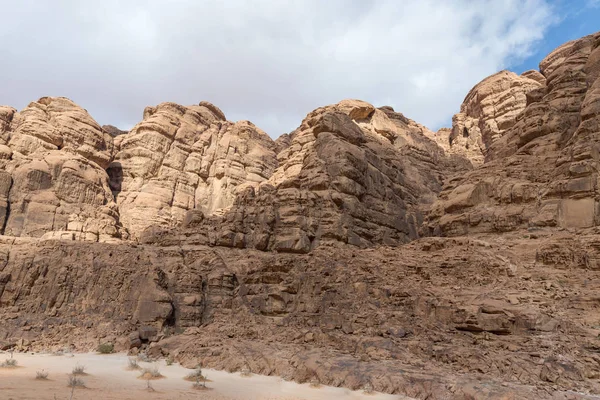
53, 178
542, 170
220, 246
489, 110
488, 317
351, 173
182, 158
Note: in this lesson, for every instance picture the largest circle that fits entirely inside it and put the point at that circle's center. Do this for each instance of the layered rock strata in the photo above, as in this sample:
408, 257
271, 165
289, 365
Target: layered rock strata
542, 171
351, 173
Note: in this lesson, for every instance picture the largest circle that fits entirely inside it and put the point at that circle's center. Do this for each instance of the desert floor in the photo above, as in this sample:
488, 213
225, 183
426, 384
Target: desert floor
109, 379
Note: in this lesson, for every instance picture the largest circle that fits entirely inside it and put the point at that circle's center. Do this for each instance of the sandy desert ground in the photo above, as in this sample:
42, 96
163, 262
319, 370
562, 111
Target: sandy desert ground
108, 378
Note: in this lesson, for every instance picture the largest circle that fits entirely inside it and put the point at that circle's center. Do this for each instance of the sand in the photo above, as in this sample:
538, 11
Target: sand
109, 379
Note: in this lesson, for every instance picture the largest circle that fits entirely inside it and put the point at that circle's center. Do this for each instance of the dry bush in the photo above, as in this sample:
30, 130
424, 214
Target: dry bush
75, 382
79, 370
133, 364
106, 348
41, 375
195, 375
151, 373
143, 357
315, 383
9, 363
245, 371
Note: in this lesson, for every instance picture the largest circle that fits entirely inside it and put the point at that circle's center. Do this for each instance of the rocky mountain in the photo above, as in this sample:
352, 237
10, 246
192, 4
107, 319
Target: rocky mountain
359, 249
540, 171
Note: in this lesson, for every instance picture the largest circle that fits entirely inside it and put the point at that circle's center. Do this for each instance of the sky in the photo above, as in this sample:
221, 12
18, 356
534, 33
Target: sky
274, 61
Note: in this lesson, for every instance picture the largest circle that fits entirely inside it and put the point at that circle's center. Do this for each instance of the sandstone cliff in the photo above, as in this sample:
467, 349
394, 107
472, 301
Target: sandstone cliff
542, 170
181, 158
351, 173
54, 182
221, 246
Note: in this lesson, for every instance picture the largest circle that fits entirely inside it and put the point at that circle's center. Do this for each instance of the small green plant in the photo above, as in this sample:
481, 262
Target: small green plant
315, 383
368, 389
106, 348
9, 363
41, 375
133, 364
170, 360
78, 370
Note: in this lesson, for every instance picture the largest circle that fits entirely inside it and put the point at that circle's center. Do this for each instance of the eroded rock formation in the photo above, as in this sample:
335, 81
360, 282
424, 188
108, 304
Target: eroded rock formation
54, 182
182, 158
542, 170
351, 173
489, 110
222, 246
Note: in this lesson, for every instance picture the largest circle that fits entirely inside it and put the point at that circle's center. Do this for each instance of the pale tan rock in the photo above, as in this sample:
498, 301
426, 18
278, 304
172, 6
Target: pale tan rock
181, 158
535, 75
283, 142
54, 123
52, 165
489, 110
542, 171
361, 181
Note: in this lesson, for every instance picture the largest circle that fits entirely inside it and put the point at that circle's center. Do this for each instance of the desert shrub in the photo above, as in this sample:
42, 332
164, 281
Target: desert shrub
143, 357
368, 389
170, 360
133, 364
149, 386
106, 348
151, 373
41, 375
9, 363
195, 375
78, 370
75, 381
245, 371
200, 384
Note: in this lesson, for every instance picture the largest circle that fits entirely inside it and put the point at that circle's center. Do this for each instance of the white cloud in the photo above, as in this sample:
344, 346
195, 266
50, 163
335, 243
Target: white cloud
269, 61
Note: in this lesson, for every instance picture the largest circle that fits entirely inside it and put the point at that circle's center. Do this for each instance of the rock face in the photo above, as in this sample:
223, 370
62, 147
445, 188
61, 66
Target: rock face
113, 130
223, 247
351, 173
181, 158
53, 178
489, 110
542, 170
436, 318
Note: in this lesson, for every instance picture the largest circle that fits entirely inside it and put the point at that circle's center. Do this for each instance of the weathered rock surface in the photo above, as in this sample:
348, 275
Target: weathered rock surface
53, 178
543, 170
436, 318
199, 219
113, 130
489, 110
363, 181
182, 158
